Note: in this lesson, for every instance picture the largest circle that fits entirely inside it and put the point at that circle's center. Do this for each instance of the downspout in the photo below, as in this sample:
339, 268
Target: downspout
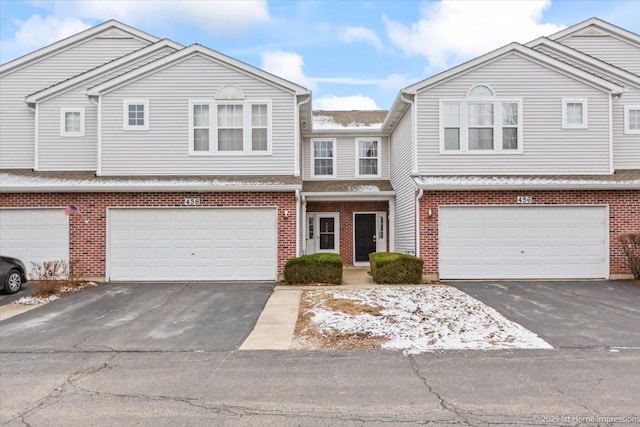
36, 160
298, 142
611, 170
99, 137
418, 198
303, 221
298, 209
414, 134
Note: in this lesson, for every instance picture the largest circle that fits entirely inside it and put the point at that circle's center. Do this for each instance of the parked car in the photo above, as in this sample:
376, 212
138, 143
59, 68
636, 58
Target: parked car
13, 274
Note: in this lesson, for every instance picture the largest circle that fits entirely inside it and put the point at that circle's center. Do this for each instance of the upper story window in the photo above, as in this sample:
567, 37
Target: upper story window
574, 113
481, 123
136, 115
323, 158
367, 157
231, 127
72, 122
632, 119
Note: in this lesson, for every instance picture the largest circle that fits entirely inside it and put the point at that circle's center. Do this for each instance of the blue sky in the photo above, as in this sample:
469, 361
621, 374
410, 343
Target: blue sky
352, 54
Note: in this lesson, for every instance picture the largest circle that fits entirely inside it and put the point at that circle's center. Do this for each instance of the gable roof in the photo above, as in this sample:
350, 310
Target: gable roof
532, 54
588, 60
186, 52
76, 39
599, 24
102, 69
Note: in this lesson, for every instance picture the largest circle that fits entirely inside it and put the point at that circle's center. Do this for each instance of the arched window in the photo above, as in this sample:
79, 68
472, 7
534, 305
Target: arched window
480, 91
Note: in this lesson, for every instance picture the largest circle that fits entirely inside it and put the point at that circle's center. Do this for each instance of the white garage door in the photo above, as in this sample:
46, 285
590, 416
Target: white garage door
518, 242
192, 244
34, 235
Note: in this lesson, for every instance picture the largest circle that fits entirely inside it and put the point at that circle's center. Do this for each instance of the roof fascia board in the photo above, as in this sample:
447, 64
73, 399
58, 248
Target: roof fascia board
327, 196
533, 186
584, 58
184, 54
96, 72
599, 23
524, 51
73, 40
130, 188
344, 132
396, 112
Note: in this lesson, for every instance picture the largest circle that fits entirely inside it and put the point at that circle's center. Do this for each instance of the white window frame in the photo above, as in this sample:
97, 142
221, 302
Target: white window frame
377, 158
497, 125
63, 122
585, 113
125, 114
627, 129
247, 148
312, 158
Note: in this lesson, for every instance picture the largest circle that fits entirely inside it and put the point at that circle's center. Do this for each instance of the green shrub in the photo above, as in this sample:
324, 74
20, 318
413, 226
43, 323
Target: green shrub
315, 268
391, 267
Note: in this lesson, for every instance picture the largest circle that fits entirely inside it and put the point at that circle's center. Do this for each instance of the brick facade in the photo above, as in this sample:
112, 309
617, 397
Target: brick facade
87, 230
346, 210
624, 216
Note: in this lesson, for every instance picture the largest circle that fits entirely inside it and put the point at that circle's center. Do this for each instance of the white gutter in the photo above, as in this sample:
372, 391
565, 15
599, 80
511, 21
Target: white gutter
134, 188
534, 186
418, 198
297, 147
331, 196
298, 209
414, 133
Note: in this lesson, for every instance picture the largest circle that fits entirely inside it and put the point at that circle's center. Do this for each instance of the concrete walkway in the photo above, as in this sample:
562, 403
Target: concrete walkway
276, 325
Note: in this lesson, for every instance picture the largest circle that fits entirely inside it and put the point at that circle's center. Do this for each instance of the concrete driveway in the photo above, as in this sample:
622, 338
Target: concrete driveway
140, 317
579, 314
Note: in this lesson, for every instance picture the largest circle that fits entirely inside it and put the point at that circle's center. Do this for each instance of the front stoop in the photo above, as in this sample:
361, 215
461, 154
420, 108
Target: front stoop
277, 322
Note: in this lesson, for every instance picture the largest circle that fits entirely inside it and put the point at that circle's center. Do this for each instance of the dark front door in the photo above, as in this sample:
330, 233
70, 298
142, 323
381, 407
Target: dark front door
365, 236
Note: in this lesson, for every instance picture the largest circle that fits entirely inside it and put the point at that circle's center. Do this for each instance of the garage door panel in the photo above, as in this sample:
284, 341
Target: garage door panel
194, 244
523, 242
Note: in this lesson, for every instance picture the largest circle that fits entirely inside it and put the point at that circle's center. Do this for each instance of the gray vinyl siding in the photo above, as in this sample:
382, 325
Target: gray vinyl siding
610, 49
345, 161
403, 184
164, 148
626, 148
64, 153
17, 135
547, 148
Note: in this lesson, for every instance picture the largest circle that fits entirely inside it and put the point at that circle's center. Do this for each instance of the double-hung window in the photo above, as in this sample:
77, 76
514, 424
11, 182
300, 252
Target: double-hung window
136, 115
72, 122
481, 123
229, 127
574, 113
368, 157
323, 158
632, 119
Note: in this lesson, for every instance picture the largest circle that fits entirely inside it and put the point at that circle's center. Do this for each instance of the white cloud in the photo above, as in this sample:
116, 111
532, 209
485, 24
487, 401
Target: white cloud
450, 32
352, 34
287, 65
354, 102
37, 32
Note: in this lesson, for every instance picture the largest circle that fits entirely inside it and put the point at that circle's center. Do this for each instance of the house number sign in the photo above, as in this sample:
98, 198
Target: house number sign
524, 200
192, 202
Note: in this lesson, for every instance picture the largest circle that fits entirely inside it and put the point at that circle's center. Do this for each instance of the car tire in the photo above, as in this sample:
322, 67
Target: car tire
13, 282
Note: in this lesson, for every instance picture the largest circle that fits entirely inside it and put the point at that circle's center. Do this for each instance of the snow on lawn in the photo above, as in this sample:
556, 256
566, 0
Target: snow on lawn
417, 319
63, 290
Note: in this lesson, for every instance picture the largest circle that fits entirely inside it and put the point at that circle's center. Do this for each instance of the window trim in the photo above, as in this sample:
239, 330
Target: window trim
63, 122
585, 113
125, 114
247, 147
378, 162
627, 129
497, 125
335, 158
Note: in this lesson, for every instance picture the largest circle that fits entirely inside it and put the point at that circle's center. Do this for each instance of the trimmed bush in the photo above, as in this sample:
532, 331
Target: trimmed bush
631, 248
315, 268
395, 268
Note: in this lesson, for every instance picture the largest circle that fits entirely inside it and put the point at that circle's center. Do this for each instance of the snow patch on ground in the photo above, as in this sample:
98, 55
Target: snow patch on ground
422, 319
63, 290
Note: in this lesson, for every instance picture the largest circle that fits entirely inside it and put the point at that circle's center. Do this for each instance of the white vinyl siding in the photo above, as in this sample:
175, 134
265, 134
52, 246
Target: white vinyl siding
165, 148
347, 157
401, 152
523, 242
56, 153
547, 148
192, 244
17, 136
609, 49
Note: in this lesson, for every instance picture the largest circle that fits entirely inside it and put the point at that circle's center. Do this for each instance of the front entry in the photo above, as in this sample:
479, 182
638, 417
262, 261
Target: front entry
365, 236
